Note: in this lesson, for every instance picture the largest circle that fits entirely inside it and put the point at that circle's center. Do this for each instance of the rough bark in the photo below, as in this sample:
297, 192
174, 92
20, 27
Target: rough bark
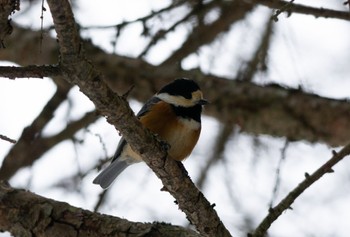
25, 214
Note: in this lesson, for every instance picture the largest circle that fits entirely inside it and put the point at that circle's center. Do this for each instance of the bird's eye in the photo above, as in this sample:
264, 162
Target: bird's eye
197, 95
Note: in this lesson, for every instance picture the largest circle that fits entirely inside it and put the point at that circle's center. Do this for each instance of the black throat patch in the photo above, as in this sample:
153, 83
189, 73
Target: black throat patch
193, 112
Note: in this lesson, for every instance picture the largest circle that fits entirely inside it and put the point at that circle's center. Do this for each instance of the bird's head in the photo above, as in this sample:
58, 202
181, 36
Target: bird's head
182, 92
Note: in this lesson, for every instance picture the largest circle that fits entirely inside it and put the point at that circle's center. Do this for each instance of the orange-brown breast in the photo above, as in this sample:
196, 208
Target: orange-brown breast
162, 121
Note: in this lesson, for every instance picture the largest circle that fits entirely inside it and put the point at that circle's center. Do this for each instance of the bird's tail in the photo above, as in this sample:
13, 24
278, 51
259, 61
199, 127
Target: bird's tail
107, 176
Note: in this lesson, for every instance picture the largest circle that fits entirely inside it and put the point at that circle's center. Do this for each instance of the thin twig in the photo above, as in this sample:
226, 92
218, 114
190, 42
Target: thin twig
218, 150
307, 10
278, 172
127, 93
284, 8
141, 19
5, 138
161, 33
286, 203
42, 26
101, 199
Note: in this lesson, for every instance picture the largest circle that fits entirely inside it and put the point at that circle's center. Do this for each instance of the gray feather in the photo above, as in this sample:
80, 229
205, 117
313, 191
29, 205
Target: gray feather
108, 175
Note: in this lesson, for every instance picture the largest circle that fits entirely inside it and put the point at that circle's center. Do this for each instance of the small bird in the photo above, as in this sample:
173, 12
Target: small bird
174, 114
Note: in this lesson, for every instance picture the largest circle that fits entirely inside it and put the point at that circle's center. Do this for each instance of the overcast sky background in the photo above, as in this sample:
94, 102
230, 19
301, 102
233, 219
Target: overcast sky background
307, 52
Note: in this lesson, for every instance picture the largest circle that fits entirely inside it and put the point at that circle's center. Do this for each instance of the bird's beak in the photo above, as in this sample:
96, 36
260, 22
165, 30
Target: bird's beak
202, 102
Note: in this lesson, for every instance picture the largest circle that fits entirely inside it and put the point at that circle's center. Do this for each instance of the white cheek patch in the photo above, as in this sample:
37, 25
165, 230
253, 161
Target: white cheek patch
190, 123
175, 100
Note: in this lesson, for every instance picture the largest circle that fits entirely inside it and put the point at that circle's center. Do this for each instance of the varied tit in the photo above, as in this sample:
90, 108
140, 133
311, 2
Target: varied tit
174, 114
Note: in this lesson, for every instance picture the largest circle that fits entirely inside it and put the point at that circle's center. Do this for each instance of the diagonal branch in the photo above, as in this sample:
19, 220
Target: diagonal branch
79, 71
35, 145
276, 211
205, 34
197, 10
259, 58
16, 157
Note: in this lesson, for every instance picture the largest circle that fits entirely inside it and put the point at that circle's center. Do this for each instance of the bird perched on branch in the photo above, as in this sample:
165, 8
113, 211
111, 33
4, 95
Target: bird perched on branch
174, 114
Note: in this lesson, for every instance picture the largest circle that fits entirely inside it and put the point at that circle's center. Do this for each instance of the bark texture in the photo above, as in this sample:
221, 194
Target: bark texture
25, 214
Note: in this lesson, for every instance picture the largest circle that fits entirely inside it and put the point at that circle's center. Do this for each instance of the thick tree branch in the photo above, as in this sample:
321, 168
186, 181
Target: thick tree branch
286, 203
271, 109
30, 71
79, 71
23, 213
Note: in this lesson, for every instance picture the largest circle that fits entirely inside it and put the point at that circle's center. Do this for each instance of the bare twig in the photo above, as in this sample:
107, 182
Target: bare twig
127, 93
141, 19
278, 172
199, 9
259, 58
218, 150
5, 138
302, 9
204, 34
100, 200
284, 8
286, 203
42, 25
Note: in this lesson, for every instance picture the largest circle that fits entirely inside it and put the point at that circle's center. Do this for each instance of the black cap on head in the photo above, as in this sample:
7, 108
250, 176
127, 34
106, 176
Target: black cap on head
182, 86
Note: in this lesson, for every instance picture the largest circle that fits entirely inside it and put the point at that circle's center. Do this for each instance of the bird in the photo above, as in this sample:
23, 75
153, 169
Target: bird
173, 114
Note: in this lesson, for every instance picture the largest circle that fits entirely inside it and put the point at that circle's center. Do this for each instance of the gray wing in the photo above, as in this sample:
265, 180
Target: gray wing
120, 148
145, 108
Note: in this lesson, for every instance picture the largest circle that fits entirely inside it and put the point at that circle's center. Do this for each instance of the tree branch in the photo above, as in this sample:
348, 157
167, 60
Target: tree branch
5, 138
35, 145
205, 34
197, 10
79, 71
270, 109
30, 71
26, 214
286, 203
302, 9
